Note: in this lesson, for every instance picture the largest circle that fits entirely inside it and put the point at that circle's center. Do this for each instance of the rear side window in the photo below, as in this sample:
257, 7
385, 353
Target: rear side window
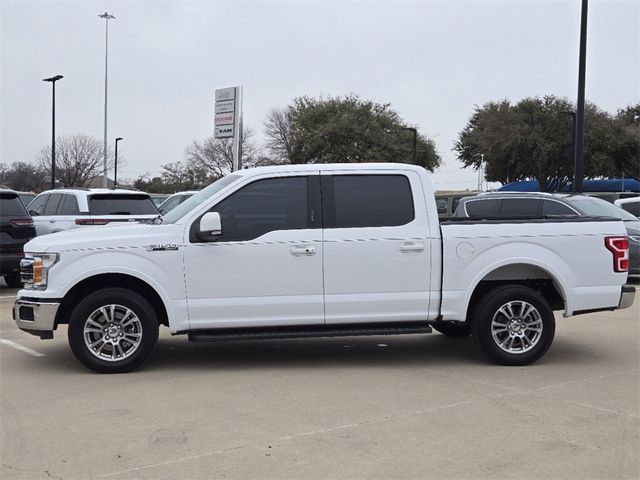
121, 204
550, 207
37, 206
632, 207
69, 206
11, 206
520, 207
483, 208
52, 204
442, 203
367, 201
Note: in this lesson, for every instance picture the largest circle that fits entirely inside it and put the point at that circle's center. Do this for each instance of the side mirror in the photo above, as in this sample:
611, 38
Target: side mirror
210, 227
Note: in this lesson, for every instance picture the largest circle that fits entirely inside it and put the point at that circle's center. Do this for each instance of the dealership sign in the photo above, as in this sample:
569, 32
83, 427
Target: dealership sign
227, 122
225, 116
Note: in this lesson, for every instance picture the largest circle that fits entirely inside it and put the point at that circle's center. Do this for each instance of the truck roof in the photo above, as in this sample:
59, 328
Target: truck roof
306, 167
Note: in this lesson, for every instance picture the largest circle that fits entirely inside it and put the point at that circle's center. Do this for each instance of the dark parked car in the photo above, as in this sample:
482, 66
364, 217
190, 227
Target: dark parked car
16, 229
529, 205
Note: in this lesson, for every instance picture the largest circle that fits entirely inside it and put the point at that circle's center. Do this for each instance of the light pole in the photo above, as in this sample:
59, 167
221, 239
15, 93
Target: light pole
53, 81
115, 167
415, 142
106, 17
578, 169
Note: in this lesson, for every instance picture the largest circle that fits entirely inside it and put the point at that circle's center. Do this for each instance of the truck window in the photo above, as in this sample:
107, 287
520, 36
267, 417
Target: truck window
367, 201
264, 206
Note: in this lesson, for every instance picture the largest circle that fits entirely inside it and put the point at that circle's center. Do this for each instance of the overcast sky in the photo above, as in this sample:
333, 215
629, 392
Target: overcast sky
431, 60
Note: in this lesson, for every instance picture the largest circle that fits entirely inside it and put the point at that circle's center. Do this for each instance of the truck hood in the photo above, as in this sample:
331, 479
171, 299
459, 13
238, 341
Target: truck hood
109, 236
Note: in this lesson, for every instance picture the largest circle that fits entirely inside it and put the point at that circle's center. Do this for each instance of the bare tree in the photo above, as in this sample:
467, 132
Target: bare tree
22, 176
79, 159
216, 154
277, 128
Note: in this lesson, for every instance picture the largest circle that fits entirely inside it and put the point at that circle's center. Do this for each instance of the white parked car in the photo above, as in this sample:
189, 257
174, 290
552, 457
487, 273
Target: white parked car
68, 208
631, 205
174, 200
319, 250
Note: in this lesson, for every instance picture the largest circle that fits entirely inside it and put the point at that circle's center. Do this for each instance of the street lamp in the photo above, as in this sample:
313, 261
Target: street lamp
115, 168
106, 17
53, 81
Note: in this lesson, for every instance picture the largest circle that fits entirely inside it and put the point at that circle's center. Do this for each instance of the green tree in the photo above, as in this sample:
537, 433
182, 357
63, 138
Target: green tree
343, 130
532, 139
176, 177
627, 134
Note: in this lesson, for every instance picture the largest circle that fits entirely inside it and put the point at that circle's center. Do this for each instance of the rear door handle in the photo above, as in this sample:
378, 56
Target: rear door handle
411, 247
303, 250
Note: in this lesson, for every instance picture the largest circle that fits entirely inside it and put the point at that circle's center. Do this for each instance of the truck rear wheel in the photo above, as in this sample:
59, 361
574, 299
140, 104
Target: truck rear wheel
514, 325
113, 330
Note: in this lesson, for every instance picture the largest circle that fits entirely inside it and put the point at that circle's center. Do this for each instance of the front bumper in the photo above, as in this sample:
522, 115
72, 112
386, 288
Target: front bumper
36, 317
627, 296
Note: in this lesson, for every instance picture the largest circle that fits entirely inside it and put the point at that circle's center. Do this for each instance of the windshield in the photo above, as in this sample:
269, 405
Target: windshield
599, 208
203, 195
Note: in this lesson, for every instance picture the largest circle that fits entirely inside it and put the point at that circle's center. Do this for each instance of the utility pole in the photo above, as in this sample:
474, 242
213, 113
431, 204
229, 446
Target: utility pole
106, 17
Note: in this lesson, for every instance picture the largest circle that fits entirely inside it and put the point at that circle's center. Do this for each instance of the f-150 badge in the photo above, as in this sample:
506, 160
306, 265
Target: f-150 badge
162, 247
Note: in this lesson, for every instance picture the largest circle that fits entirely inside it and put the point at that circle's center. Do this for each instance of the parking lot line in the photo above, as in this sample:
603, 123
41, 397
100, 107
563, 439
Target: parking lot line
22, 348
7, 296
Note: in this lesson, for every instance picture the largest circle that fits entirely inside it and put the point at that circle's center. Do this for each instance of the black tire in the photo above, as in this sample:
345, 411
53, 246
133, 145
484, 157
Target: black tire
530, 335
139, 326
13, 280
453, 329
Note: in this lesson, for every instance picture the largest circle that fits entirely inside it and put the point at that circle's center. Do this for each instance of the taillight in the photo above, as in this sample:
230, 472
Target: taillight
619, 246
22, 222
89, 221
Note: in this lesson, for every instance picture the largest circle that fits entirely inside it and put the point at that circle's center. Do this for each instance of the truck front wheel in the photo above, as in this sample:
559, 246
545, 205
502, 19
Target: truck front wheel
113, 330
514, 325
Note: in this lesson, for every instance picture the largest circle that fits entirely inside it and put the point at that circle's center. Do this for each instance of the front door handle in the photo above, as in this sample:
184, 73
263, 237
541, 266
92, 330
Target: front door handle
411, 247
303, 250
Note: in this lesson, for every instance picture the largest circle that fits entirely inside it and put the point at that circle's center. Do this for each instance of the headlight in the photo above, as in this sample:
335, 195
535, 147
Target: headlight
34, 269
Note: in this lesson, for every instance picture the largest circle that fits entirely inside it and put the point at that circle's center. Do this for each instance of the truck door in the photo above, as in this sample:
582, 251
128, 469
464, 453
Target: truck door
377, 255
266, 269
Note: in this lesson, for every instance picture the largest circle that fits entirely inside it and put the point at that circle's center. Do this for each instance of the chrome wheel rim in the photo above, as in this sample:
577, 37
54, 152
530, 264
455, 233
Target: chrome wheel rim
516, 327
112, 333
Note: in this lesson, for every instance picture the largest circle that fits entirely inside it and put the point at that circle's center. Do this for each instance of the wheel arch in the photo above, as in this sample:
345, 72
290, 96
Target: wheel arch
106, 280
527, 273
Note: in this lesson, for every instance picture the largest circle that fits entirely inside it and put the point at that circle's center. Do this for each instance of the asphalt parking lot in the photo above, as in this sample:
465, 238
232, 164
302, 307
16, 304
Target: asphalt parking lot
378, 407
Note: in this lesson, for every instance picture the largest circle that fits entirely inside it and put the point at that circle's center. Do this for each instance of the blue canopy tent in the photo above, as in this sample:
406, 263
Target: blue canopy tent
603, 185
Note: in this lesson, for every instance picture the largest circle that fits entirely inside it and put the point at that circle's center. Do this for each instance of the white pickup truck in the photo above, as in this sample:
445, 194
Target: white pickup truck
319, 250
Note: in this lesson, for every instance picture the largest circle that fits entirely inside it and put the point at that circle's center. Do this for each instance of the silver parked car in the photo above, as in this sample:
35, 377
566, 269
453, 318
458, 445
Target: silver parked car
502, 205
66, 208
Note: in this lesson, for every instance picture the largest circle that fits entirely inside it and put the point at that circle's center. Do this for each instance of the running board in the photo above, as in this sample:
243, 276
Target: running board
228, 335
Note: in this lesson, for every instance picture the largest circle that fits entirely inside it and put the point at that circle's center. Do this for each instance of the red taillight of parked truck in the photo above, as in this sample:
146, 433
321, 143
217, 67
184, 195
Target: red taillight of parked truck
619, 247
